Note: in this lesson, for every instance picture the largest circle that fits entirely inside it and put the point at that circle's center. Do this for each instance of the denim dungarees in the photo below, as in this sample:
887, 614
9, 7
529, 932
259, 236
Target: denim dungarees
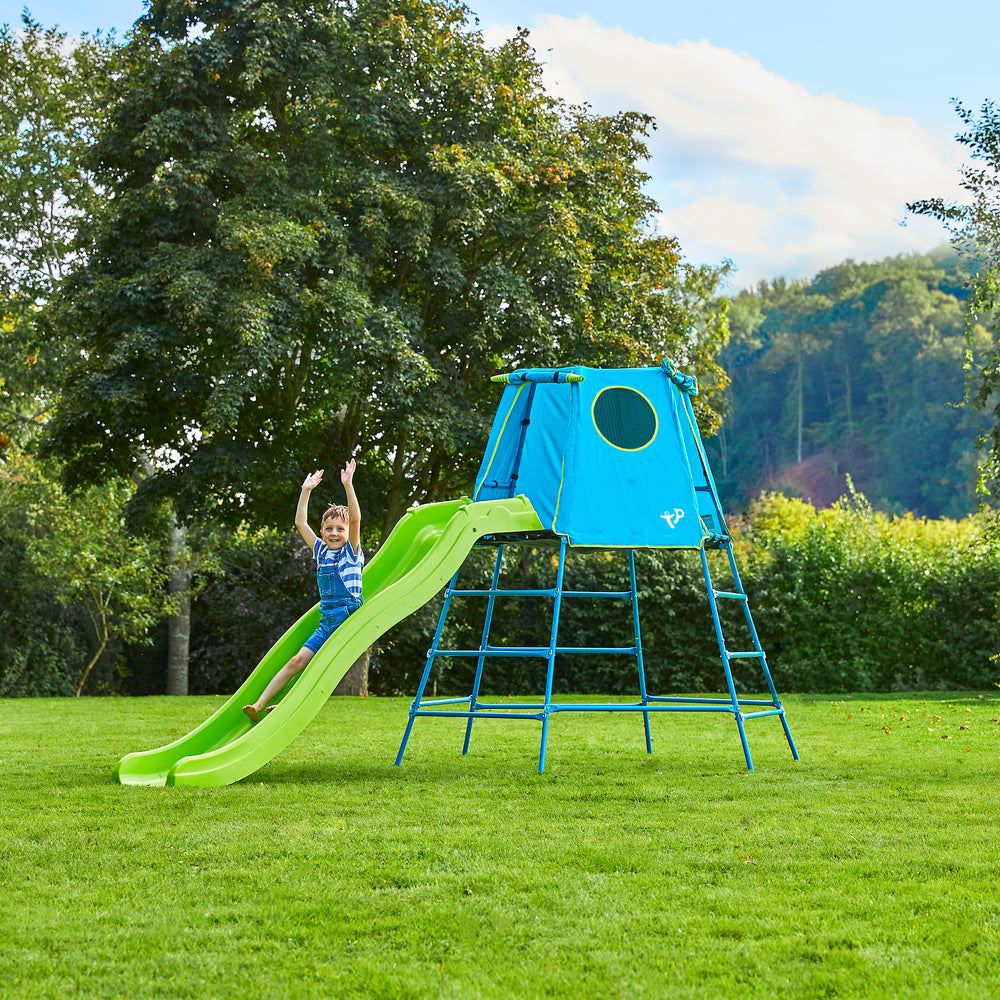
336, 603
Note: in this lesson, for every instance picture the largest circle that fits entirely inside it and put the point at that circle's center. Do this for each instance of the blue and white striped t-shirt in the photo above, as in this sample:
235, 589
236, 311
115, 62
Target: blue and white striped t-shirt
344, 560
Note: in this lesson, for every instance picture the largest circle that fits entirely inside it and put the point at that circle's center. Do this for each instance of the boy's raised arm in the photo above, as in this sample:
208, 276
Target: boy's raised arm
353, 507
302, 508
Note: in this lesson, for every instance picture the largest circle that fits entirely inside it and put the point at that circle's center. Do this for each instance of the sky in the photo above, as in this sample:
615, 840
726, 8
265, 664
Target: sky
790, 136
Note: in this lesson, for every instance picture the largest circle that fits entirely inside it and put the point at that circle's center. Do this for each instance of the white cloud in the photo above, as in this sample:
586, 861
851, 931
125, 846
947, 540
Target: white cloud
720, 220
748, 165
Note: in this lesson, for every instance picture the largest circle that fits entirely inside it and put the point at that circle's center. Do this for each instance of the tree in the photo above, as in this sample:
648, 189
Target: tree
858, 371
80, 546
28, 607
51, 103
975, 231
331, 224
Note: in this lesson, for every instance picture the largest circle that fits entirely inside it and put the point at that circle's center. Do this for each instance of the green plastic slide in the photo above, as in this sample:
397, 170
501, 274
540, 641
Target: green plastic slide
426, 548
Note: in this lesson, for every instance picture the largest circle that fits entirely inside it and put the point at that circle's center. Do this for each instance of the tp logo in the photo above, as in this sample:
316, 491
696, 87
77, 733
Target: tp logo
672, 519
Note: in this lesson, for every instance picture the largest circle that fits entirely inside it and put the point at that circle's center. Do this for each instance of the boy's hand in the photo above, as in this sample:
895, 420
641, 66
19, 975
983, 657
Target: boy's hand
313, 480
347, 472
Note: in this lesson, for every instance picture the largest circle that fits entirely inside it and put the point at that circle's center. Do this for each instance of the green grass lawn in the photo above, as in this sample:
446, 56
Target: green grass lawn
867, 869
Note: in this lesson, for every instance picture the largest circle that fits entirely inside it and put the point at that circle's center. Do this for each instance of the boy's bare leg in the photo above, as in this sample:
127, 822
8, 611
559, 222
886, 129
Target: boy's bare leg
277, 683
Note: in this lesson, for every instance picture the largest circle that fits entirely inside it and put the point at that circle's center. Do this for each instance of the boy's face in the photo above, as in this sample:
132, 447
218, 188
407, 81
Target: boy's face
333, 531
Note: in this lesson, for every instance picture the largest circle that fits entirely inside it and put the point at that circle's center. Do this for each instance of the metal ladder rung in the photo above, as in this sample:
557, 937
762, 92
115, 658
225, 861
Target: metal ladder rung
757, 654
503, 593
734, 596
550, 592
540, 651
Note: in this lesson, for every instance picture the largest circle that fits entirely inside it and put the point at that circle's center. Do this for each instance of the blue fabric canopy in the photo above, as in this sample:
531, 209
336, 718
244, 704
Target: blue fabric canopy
613, 460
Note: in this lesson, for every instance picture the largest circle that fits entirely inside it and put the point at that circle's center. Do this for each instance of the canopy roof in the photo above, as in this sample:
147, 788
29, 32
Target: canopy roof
608, 457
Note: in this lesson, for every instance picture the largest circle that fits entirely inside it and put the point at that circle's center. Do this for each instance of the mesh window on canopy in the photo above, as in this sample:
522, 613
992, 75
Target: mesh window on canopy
624, 418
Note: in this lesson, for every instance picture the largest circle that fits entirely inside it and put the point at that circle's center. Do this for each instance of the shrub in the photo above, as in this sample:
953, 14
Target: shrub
263, 583
848, 599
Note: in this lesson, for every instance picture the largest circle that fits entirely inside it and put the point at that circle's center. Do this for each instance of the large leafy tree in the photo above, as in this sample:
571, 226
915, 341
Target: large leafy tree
975, 230
51, 103
332, 222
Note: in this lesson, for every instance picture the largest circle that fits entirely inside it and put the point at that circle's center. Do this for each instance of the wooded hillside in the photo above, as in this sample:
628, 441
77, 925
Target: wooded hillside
858, 372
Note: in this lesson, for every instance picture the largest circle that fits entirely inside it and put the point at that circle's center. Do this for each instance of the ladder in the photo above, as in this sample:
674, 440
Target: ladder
759, 708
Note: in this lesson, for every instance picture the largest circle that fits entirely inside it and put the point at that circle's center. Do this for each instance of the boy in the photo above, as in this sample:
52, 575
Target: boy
339, 560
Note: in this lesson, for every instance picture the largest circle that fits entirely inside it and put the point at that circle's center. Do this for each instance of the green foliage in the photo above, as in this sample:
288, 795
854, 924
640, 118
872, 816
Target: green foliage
51, 101
844, 599
975, 230
848, 599
330, 226
71, 552
41, 640
51, 104
865, 871
859, 371
261, 584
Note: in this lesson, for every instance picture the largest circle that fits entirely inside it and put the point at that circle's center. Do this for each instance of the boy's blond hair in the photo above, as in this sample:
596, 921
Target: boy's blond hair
335, 511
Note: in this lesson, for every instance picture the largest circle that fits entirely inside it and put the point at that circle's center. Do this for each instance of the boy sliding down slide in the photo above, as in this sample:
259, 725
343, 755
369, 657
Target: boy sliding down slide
339, 560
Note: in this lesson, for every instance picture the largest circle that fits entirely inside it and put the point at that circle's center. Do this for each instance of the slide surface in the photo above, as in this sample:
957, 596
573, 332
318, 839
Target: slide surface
425, 550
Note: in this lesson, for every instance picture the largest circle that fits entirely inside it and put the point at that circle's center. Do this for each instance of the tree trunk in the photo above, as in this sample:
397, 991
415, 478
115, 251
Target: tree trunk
101, 645
355, 681
850, 415
798, 446
179, 624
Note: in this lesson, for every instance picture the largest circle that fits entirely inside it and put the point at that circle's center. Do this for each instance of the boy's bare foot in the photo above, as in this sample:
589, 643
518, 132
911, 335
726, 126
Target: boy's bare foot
254, 714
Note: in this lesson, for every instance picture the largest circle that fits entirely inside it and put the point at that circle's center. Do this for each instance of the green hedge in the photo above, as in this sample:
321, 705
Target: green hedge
844, 599
848, 599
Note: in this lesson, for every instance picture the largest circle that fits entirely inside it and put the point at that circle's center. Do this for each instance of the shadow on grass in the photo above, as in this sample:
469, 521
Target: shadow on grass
938, 697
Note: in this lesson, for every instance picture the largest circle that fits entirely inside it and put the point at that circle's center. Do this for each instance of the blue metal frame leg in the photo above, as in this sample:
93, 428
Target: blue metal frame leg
720, 639
638, 647
483, 643
551, 660
763, 659
427, 667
